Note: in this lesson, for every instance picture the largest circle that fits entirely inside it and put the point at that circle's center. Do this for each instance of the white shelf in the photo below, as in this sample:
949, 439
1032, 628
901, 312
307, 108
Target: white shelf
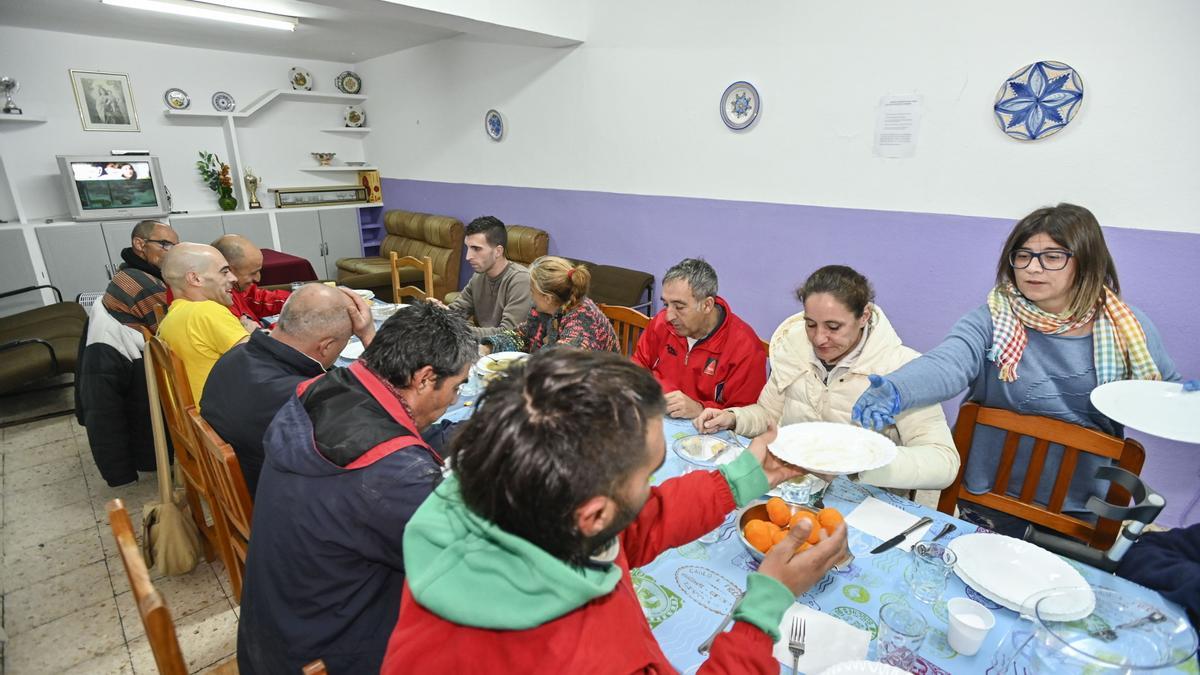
28, 119
266, 99
349, 130
324, 169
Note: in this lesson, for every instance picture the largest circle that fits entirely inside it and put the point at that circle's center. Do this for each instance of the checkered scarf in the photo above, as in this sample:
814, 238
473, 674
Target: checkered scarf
1120, 343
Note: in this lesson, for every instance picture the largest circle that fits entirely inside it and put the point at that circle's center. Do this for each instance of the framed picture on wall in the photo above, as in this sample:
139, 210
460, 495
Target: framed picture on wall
105, 101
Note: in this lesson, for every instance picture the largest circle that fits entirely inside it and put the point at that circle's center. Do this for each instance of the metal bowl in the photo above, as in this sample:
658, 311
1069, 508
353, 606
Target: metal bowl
758, 510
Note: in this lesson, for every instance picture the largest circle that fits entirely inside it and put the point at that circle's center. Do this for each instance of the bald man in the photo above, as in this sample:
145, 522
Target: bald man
246, 261
199, 327
249, 384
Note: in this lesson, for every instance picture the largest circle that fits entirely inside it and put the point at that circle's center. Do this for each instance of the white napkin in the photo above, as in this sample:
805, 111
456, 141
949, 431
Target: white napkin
884, 521
827, 641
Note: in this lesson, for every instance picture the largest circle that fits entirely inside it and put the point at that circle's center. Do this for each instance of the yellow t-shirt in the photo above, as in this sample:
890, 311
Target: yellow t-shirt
199, 333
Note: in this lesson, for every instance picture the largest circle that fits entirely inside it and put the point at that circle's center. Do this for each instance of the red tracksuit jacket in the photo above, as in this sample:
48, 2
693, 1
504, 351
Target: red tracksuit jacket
727, 369
253, 302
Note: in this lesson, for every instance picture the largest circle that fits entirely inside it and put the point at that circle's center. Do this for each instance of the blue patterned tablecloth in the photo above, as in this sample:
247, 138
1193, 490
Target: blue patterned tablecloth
687, 591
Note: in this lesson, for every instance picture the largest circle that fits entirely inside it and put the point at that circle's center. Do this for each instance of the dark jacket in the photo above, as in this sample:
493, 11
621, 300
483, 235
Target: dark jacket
1168, 562
344, 472
246, 387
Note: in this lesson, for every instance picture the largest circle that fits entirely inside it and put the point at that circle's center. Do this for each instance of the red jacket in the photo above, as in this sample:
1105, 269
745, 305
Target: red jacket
257, 303
727, 369
607, 635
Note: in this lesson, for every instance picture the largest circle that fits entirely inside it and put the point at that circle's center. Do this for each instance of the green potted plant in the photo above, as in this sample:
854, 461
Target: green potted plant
216, 175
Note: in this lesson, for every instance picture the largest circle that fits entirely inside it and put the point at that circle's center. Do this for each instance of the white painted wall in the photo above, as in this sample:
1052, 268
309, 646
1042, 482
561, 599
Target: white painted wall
275, 143
634, 109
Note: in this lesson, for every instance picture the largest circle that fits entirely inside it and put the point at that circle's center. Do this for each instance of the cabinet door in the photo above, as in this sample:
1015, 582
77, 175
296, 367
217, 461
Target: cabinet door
300, 234
76, 258
340, 229
16, 271
118, 236
201, 230
254, 226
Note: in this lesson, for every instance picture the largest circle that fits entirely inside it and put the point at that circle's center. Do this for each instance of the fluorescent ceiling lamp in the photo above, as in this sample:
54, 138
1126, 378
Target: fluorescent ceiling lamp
203, 10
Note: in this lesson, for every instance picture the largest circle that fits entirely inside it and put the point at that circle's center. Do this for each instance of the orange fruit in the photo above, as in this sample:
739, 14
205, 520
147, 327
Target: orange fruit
815, 533
779, 512
758, 533
830, 519
778, 536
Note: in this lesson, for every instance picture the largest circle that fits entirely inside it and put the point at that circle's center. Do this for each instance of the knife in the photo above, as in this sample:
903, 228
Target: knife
900, 537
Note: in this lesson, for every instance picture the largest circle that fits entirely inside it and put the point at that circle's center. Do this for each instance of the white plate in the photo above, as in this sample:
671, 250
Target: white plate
700, 449
493, 364
863, 668
301, 79
1010, 572
1025, 608
1158, 408
353, 350
364, 293
831, 448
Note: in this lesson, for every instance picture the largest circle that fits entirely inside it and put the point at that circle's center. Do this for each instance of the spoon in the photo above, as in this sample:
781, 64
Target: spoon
950, 527
1110, 634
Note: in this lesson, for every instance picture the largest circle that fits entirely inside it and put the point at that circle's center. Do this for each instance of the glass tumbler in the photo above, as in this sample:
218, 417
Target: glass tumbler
930, 568
901, 633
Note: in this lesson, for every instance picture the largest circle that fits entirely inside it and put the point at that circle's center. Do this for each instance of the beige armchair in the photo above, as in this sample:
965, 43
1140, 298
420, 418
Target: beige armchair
409, 234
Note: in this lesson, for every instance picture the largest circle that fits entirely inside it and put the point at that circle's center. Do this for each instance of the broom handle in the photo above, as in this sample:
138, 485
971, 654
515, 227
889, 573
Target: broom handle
156, 425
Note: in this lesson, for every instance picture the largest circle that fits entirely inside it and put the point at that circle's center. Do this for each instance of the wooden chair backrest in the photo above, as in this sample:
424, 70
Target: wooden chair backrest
1128, 453
175, 397
628, 324
424, 264
228, 487
766, 347
156, 618
160, 312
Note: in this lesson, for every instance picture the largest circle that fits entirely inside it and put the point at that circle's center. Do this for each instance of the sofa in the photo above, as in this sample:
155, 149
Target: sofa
38, 344
415, 234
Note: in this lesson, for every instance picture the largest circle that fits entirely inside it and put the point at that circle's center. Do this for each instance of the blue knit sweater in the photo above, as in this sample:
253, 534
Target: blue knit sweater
1055, 378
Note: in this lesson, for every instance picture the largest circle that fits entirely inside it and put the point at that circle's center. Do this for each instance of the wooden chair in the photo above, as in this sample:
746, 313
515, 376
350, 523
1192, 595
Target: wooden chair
424, 264
628, 324
156, 617
228, 486
1130, 455
175, 396
766, 347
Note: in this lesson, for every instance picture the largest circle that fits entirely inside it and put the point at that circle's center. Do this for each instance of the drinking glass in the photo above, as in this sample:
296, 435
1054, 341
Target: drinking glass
930, 568
901, 633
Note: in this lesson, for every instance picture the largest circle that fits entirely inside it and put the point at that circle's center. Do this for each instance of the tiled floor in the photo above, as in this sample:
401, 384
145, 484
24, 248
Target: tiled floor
66, 603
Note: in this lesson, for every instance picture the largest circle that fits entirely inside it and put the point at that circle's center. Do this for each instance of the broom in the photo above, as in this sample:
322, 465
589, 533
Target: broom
170, 539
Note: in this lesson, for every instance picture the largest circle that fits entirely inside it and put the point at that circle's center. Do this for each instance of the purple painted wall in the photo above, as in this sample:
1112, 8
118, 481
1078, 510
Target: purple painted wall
927, 269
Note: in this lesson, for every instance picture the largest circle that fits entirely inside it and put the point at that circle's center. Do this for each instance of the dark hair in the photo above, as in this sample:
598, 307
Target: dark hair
491, 228
699, 275
562, 427
844, 283
420, 335
561, 278
1076, 229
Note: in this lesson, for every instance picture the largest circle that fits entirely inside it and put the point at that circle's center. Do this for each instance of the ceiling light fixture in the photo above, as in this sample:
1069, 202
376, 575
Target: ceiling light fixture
204, 10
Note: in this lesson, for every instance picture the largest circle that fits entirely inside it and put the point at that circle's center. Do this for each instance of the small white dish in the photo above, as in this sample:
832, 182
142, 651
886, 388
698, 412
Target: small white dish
705, 450
354, 117
348, 82
1161, 409
832, 448
970, 623
177, 99
740, 105
364, 293
493, 124
223, 102
301, 79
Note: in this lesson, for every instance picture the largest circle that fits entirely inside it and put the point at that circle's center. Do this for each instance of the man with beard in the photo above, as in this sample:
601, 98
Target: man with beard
498, 293
523, 552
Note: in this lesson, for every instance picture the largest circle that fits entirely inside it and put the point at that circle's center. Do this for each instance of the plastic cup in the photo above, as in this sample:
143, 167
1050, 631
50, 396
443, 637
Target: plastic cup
970, 623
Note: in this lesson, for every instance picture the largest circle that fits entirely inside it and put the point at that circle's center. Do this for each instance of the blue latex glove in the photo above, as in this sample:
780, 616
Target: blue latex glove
1191, 385
879, 404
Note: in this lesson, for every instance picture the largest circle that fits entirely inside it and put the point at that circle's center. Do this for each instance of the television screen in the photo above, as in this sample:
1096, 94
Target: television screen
114, 185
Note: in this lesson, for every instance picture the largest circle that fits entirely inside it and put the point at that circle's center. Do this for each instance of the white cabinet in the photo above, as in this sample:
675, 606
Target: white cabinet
76, 257
16, 271
321, 237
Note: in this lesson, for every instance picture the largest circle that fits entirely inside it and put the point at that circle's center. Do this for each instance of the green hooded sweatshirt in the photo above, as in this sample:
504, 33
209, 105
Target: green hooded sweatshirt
453, 557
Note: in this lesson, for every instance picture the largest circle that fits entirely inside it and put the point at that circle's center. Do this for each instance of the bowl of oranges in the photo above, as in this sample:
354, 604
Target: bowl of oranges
763, 524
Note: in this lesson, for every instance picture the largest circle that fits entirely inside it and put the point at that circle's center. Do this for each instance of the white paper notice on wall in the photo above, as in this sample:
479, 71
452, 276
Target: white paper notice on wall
896, 126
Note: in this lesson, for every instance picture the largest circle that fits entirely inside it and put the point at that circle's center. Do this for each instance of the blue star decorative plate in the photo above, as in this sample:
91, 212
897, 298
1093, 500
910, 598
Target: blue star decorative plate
493, 124
740, 105
1038, 100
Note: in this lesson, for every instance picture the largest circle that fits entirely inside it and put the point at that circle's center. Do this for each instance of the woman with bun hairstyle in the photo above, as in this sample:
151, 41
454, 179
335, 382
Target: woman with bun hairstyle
562, 313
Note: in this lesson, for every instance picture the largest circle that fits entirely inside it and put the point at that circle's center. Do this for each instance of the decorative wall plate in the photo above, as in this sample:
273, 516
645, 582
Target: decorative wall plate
1038, 100
740, 105
348, 82
354, 116
177, 99
301, 79
223, 102
493, 124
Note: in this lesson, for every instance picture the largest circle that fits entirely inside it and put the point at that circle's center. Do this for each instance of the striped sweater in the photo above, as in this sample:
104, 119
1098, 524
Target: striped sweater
135, 290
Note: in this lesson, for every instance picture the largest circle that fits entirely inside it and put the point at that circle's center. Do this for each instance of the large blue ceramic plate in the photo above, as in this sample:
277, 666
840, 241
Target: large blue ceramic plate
1038, 100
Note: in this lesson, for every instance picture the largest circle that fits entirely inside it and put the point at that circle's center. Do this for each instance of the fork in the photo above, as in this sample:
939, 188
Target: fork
796, 642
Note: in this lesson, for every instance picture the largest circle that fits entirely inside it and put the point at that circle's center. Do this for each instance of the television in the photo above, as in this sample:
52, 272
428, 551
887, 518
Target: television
102, 187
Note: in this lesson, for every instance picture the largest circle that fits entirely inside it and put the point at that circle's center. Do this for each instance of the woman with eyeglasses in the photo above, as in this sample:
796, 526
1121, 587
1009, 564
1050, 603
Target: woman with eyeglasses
1053, 329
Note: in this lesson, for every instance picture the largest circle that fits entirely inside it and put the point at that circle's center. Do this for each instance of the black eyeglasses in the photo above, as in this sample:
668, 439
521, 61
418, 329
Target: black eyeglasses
1049, 260
166, 245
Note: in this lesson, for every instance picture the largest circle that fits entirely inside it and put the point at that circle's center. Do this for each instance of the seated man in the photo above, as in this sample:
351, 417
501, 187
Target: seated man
199, 327
249, 384
346, 466
246, 261
110, 396
698, 349
498, 293
524, 551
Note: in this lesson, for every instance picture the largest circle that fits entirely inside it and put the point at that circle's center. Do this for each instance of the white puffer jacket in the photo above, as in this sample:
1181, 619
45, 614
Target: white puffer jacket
796, 392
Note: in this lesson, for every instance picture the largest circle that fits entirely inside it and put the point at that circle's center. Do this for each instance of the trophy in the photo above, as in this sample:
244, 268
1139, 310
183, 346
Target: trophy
8, 86
252, 182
